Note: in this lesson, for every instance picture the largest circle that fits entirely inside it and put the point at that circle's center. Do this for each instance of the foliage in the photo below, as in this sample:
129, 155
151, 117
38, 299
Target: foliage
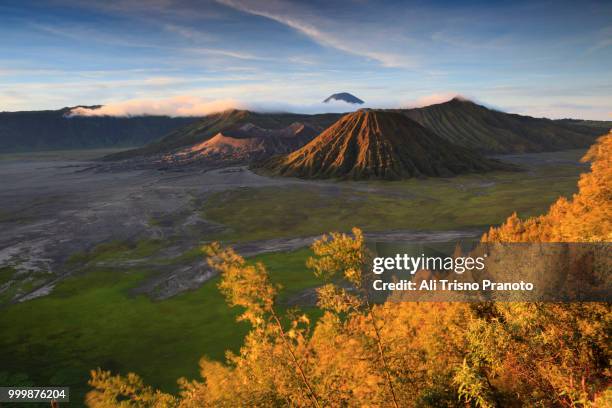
587, 217
128, 391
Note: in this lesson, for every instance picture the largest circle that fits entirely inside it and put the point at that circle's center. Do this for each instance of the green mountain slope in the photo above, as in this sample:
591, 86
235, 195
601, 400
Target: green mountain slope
471, 125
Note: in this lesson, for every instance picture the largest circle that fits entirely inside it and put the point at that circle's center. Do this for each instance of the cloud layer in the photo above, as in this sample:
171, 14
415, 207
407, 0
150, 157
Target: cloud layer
183, 105
187, 105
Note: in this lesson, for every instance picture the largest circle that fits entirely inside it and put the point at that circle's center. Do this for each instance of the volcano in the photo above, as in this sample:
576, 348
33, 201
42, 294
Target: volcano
344, 97
245, 143
477, 127
376, 144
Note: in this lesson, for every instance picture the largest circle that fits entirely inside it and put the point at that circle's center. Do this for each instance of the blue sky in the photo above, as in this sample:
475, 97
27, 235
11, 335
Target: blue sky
544, 58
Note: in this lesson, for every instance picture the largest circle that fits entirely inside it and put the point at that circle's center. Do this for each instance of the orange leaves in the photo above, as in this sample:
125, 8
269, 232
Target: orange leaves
342, 255
129, 391
587, 217
337, 299
242, 284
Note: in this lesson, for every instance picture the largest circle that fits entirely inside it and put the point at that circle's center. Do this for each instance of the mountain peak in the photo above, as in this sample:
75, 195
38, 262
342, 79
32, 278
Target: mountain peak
234, 112
345, 97
461, 99
372, 143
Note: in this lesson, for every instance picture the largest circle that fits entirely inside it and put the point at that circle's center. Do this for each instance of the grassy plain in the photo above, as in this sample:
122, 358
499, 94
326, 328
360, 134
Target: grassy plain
471, 201
93, 321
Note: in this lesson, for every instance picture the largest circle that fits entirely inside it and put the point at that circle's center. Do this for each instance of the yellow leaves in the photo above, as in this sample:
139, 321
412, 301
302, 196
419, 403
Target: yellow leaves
337, 299
587, 217
304, 319
549, 353
343, 255
129, 391
270, 352
352, 275
242, 284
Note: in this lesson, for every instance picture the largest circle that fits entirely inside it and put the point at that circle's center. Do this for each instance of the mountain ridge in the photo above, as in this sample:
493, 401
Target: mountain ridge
55, 129
210, 125
245, 143
471, 125
377, 144
458, 121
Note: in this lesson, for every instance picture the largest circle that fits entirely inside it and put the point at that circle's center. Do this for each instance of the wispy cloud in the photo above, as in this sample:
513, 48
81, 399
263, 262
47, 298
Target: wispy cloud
523, 54
227, 53
190, 33
604, 40
84, 34
305, 23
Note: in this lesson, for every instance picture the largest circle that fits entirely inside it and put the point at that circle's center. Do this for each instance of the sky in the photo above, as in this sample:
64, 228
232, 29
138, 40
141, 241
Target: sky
185, 57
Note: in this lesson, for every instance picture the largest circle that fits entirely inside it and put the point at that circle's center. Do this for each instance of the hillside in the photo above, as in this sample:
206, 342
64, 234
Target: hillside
54, 130
602, 126
468, 124
378, 144
245, 143
231, 120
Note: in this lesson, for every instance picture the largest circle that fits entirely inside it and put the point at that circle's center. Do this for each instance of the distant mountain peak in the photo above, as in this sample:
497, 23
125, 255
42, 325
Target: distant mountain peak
344, 97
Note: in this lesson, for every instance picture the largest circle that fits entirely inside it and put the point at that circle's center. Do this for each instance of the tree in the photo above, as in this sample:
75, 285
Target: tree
587, 217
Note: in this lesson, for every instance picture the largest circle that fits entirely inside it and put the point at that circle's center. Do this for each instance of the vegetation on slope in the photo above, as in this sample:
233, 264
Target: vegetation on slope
474, 126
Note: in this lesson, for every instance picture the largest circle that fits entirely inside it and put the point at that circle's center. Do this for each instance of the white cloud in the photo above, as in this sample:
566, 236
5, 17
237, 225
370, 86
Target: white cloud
310, 108
175, 106
227, 53
188, 105
433, 99
190, 34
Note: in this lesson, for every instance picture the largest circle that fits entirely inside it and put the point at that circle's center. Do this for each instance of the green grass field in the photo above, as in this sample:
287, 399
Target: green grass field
433, 204
91, 321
